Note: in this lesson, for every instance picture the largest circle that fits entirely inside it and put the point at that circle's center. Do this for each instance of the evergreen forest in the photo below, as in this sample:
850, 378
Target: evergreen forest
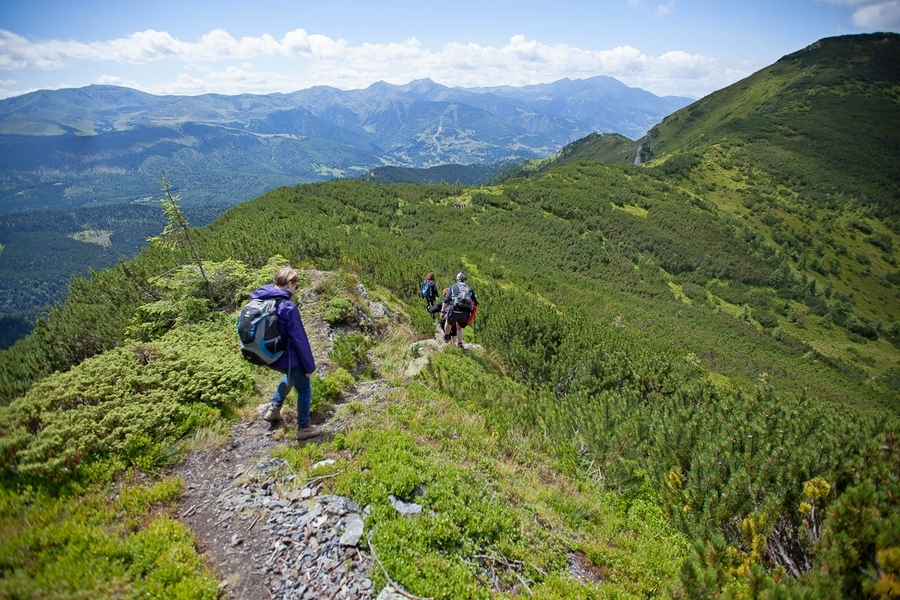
685, 372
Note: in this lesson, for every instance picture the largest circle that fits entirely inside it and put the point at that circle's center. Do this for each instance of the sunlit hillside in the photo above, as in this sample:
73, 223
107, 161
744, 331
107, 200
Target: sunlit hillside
683, 375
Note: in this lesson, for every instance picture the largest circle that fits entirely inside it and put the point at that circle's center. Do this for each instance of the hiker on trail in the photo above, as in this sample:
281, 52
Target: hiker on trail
459, 306
429, 291
297, 362
439, 308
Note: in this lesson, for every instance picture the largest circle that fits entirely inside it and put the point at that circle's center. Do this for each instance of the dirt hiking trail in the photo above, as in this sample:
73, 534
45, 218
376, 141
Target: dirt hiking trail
266, 533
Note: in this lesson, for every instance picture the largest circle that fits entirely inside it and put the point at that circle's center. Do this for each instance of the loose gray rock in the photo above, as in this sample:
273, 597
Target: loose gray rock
405, 508
389, 593
353, 531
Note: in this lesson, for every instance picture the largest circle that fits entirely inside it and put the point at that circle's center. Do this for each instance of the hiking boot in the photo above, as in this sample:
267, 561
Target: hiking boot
273, 414
304, 433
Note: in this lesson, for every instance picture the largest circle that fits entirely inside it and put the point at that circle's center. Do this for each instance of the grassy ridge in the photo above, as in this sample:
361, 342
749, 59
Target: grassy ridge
818, 121
614, 368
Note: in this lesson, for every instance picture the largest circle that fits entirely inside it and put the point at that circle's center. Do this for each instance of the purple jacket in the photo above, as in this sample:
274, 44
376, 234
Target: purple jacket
298, 353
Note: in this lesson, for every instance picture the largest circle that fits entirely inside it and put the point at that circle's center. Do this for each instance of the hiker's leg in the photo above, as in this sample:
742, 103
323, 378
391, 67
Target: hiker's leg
447, 325
304, 398
281, 392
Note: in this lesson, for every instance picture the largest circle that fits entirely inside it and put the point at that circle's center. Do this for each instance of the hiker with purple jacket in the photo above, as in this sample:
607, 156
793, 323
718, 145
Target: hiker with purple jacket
297, 361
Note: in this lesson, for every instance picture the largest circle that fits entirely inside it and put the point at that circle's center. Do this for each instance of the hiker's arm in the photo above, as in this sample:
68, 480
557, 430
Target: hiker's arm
297, 336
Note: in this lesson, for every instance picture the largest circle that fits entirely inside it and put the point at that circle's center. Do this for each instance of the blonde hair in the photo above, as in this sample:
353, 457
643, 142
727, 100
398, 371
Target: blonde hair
285, 275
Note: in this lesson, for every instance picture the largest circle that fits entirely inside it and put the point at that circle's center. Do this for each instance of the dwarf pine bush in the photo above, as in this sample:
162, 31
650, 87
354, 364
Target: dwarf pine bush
349, 352
91, 548
130, 402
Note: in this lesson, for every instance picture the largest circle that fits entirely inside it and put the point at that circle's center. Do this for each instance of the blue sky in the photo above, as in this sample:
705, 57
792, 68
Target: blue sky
669, 47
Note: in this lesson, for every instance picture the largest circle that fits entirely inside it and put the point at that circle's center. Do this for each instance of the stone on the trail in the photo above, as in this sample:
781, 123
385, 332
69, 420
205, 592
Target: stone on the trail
338, 505
270, 464
353, 531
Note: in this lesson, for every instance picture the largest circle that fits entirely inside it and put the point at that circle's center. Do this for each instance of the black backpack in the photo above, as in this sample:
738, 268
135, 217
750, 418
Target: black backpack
257, 326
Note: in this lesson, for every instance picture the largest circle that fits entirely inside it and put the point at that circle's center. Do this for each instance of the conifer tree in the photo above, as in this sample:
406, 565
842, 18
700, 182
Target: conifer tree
177, 230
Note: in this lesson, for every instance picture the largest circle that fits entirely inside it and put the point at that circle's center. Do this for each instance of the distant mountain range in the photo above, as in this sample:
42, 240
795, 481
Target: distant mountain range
106, 145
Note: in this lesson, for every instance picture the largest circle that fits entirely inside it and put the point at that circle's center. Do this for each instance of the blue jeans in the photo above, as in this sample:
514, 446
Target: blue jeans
295, 378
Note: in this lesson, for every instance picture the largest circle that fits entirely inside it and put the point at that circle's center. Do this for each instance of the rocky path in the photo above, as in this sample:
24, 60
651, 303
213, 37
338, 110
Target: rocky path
266, 533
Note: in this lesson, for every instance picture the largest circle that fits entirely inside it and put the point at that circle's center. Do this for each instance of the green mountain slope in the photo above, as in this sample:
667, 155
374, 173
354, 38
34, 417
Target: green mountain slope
821, 122
590, 361
694, 337
803, 158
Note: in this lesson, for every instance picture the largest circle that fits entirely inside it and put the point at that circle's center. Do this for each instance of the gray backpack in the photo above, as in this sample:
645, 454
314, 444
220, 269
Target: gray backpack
462, 297
257, 326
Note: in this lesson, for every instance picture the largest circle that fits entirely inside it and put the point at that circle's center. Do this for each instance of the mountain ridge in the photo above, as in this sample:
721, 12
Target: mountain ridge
303, 136
682, 380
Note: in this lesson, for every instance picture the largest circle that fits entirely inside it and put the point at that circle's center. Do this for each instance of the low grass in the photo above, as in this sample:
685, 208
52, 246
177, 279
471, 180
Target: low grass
130, 547
503, 514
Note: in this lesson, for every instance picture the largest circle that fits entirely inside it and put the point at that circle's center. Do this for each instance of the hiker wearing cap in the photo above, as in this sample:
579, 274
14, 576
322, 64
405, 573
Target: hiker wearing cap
297, 363
459, 306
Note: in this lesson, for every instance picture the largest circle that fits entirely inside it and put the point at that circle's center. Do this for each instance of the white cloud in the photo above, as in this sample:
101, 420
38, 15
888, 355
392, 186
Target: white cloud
665, 9
876, 15
200, 79
220, 63
116, 80
18, 53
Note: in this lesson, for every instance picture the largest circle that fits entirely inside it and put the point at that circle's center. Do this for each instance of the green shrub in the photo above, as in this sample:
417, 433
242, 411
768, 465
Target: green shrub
766, 318
892, 333
338, 311
132, 403
862, 327
693, 291
860, 225
91, 548
331, 387
733, 293
350, 352
186, 299
883, 241
891, 376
